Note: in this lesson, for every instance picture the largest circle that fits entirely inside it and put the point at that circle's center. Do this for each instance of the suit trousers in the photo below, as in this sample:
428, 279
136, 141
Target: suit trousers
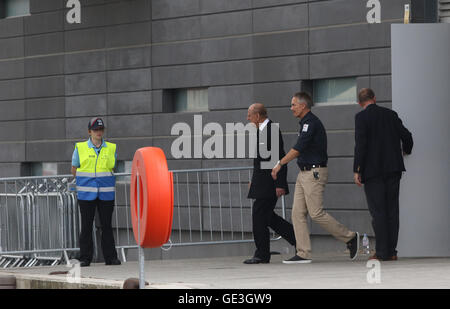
382, 195
308, 199
263, 217
87, 211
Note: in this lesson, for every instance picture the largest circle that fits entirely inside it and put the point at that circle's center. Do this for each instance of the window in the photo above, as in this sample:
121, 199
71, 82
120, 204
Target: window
120, 167
334, 91
123, 167
39, 169
185, 100
127, 166
444, 11
49, 169
12, 8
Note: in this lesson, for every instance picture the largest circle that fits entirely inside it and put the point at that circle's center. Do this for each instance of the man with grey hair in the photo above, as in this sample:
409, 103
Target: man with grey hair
311, 153
266, 190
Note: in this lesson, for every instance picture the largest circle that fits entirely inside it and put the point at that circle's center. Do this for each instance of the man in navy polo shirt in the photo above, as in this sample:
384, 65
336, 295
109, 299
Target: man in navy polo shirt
311, 153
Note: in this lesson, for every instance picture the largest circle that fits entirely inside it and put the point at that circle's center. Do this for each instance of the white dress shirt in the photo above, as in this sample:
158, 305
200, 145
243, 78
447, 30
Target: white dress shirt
263, 124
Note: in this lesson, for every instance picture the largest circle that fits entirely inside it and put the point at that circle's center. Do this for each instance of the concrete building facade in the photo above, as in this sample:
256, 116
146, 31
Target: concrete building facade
125, 58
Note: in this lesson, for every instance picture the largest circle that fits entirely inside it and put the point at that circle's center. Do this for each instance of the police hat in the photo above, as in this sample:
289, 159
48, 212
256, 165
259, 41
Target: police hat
96, 123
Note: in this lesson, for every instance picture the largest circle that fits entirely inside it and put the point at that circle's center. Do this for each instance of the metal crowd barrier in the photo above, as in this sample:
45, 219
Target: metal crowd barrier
40, 220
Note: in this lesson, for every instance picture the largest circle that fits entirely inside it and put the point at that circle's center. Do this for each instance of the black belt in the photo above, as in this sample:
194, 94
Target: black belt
307, 167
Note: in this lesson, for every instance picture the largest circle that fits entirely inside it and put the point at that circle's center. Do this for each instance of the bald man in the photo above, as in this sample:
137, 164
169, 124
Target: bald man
266, 191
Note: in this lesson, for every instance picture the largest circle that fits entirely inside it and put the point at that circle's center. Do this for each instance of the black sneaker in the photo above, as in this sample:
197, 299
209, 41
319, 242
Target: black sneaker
256, 260
297, 260
84, 263
113, 262
353, 246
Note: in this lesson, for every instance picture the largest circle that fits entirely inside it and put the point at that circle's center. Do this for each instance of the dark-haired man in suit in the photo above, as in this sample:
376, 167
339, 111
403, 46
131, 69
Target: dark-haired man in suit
266, 191
381, 140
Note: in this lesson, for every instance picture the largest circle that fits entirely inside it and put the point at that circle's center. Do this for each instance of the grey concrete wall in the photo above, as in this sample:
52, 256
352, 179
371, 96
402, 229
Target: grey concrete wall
117, 62
424, 195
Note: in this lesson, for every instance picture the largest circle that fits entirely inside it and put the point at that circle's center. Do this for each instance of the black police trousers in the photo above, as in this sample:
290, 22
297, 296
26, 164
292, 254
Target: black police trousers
87, 211
263, 217
382, 195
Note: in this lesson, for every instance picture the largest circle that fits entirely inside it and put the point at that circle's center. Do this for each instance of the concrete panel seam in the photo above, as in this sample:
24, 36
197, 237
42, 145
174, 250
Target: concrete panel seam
193, 40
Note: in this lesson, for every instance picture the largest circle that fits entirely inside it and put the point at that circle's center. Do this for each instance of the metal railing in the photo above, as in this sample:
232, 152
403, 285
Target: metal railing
36, 221
40, 220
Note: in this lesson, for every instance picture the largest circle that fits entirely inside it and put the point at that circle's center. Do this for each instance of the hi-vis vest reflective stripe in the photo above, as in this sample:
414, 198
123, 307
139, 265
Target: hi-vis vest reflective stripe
94, 176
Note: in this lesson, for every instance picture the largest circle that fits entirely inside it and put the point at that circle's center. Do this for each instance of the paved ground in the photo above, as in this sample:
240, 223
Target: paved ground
229, 272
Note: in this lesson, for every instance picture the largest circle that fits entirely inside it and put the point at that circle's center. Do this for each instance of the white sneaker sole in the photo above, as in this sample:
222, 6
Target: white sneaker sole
297, 262
357, 247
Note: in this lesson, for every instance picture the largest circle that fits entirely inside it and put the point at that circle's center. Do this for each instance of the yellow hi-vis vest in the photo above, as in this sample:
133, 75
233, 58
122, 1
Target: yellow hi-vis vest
95, 178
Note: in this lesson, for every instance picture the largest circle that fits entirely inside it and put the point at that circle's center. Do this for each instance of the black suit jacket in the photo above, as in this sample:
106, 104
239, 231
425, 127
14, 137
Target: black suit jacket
263, 185
380, 139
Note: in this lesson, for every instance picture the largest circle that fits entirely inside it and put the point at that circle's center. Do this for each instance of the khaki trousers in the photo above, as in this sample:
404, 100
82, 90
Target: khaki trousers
308, 198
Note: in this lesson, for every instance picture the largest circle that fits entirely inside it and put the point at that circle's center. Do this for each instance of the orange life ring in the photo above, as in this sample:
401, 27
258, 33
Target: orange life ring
156, 197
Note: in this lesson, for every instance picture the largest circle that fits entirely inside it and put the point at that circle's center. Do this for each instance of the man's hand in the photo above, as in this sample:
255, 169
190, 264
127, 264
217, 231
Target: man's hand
280, 192
74, 171
275, 171
357, 178
291, 155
